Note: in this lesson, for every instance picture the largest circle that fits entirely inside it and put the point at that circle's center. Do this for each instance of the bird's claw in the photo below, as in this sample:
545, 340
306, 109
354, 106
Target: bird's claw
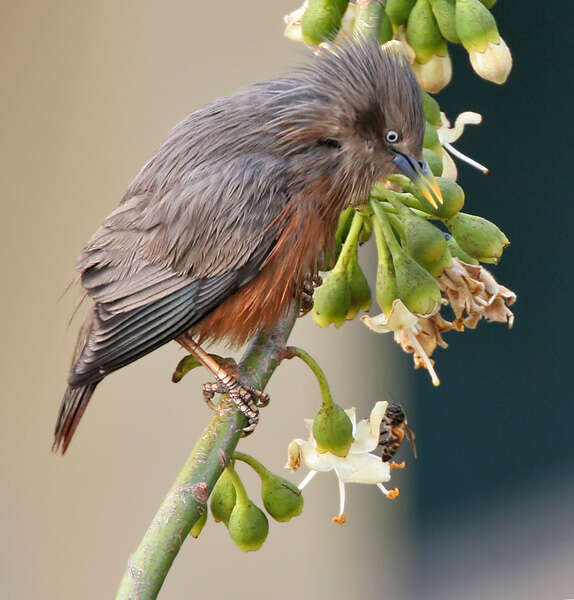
306, 293
244, 396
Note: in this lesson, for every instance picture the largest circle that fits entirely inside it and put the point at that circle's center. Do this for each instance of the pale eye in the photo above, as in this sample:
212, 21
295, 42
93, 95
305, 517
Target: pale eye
392, 136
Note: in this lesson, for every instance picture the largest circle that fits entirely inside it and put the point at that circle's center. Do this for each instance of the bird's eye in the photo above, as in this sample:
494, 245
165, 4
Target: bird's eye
329, 142
392, 137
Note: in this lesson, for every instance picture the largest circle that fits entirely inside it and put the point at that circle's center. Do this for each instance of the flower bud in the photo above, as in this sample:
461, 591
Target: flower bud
431, 110
434, 162
223, 498
366, 231
424, 242
332, 299
444, 13
478, 237
322, 20
431, 140
344, 224
248, 525
293, 24
475, 25
385, 29
494, 64
398, 10
386, 286
423, 34
438, 266
416, 287
457, 251
358, 286
452, 198
435, 74
282, 499
199, 524
333, 430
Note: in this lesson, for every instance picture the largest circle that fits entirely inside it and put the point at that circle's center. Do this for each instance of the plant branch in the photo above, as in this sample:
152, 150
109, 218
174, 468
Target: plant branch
187, 499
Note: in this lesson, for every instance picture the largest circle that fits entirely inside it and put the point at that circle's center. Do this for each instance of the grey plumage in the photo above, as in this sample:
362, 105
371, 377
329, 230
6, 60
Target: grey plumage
205, 215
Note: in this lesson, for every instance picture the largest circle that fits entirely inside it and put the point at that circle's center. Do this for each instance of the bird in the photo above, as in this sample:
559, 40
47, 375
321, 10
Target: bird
220, 230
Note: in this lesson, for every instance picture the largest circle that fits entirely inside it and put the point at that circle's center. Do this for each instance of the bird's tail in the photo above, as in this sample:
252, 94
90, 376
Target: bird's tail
76, 398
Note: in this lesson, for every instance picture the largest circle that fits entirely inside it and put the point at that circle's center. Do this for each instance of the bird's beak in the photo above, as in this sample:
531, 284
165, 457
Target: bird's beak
420, 174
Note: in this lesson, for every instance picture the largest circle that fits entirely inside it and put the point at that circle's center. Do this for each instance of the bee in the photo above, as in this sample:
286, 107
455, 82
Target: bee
395, 429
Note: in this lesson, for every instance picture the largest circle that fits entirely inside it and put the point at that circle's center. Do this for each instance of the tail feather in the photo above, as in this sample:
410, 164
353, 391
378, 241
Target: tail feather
72, 408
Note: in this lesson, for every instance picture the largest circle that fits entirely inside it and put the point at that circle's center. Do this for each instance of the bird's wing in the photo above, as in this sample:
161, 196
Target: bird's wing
158, 265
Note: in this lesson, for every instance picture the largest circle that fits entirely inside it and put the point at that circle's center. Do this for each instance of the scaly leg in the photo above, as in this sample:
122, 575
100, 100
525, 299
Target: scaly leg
247, 399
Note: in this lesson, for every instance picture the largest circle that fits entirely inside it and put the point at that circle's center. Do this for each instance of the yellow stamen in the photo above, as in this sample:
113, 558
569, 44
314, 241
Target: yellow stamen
391, 495
396, 465
340, 519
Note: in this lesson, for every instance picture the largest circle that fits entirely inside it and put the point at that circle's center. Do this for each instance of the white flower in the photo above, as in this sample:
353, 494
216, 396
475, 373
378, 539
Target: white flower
359, 466
448, 134
400, 318
494, 63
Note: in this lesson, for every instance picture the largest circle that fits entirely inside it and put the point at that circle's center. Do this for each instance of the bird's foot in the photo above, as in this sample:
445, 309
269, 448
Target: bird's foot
305, 294
244, 396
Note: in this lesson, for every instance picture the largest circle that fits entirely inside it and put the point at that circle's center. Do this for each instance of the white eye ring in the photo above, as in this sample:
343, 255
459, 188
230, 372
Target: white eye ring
391, 137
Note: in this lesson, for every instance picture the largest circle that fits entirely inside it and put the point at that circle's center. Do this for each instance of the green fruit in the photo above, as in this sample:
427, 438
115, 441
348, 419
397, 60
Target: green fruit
333, 430
431, 140
358, 286
475, 25
438, 266
416, 287
385, 29
281, 498
434, 161
223, 498
424, 241
478, 237
322, 20
489, 3
398, 10
386, 286
444, 13
248, 525
332, 299
199, 524
457, 251
452, 196
431, 110
423, 33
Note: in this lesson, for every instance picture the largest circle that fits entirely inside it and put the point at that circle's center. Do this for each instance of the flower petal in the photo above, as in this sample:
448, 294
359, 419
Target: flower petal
369, 432
362, 468
317, 461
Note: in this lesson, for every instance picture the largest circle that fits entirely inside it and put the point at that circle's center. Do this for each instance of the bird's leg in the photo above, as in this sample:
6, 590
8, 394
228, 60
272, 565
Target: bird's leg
247, 399
305, 292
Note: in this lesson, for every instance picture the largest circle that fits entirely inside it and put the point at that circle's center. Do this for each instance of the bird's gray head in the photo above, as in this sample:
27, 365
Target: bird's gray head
354, 113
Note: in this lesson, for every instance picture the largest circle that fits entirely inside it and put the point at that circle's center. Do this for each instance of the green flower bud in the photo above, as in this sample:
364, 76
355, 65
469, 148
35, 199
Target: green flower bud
199, 524
489, 3
452, 196
432, 110
366, 231
322, 20
333, 430
385, 29
248, 526
444, 13
223, 498
358, 286
434, 162
438, 266
431, 140
416, 287
345, 220
424, 242
398, 10
475, 25
386, 286
457, 251
477, 236
423, 34
281, 498
332, 299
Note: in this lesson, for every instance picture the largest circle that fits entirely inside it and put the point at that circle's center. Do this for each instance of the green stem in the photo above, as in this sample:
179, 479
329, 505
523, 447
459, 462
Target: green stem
326, 397
369, 18
386, 227
187, 498
240, 492
252, 462
351, 241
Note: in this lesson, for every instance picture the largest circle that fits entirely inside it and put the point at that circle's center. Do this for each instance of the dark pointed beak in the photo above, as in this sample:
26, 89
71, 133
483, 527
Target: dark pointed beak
420, 174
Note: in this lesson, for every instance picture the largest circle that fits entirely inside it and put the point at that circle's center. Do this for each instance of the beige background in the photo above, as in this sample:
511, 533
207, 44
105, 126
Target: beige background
89, 90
